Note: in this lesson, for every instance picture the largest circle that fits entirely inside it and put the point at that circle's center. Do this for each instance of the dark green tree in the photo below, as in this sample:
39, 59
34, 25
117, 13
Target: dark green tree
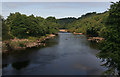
22, 26
5, 30
110, 49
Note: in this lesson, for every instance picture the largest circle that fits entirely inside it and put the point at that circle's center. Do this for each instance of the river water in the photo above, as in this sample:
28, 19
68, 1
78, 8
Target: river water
66, 54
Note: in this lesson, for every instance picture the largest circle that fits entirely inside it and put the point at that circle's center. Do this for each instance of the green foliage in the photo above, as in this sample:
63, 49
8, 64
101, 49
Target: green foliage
87, 15
91, 24
22, 26
65, 21
111, 46
91, 32
32, 38
5, 30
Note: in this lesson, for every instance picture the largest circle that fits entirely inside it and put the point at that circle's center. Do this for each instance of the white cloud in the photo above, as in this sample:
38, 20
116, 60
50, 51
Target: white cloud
59, 0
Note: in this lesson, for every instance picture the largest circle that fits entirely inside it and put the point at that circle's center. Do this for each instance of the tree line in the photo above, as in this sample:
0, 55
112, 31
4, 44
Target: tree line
23, 26
91, 24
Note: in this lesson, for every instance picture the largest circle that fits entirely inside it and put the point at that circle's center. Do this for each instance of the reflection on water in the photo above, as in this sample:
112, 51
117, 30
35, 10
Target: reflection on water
20, 65
66, 54
4, 65
94, 45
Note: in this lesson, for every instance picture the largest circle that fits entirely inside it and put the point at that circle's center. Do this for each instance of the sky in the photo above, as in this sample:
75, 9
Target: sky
58, 0
56, 9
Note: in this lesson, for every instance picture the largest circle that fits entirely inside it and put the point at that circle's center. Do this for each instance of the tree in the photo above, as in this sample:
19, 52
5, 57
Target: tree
22, 26
110, 50
65, 21
5, 30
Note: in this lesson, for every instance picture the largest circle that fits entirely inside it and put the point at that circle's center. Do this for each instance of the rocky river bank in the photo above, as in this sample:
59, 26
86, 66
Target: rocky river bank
22, 44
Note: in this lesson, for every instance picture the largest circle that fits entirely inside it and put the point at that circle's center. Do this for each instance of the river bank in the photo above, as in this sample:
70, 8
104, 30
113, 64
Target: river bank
89, 38
93, 39
22, 44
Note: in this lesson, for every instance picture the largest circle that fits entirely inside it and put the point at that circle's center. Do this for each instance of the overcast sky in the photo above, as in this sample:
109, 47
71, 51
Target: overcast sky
57, 9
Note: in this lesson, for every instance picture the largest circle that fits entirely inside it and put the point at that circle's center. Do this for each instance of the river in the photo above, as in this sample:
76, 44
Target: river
66, 54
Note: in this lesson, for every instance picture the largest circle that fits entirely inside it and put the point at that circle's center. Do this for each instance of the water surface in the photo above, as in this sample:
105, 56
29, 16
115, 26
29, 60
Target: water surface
66, 54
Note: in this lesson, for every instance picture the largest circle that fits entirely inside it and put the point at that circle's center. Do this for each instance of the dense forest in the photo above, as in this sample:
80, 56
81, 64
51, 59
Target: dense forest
65, 21
91, 24
106, 25
110, 48
22, 26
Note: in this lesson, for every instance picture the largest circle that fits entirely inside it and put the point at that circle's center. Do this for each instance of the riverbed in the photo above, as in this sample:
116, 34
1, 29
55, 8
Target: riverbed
65, 54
